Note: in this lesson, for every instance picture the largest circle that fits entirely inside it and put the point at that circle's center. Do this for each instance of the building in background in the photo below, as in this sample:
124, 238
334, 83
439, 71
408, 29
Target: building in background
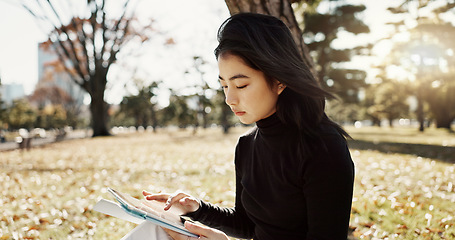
55, 88
10, 92
51, 73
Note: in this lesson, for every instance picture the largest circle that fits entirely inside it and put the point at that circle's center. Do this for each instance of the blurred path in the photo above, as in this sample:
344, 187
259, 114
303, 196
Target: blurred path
43, 141
438, 152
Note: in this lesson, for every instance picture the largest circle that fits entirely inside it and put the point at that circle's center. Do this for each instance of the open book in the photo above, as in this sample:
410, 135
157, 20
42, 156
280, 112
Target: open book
140, 210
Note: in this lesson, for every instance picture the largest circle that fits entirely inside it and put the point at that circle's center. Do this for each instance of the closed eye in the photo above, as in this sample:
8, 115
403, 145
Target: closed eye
243, 86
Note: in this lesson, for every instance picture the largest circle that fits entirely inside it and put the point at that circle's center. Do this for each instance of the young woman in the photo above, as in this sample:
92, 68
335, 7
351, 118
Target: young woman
294, 173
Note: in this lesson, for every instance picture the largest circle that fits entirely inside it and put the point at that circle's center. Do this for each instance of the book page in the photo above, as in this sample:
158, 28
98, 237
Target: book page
113, 209
153, 207
152, 211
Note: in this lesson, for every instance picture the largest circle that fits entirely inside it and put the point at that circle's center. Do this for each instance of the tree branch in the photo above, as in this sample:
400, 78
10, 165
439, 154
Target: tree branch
72, 55
104, 27
70, 73
94, 29
118, 41
82, 37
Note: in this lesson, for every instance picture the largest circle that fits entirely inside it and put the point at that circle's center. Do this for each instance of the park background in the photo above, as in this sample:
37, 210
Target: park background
165, 125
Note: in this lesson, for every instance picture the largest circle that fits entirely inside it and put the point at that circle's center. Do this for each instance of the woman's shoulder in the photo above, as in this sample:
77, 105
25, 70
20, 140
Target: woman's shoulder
332, 141
328, 139
247, 137
328, 131
250, 133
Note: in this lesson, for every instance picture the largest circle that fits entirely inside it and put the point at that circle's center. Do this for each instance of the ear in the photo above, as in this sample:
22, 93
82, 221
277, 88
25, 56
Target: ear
281, 87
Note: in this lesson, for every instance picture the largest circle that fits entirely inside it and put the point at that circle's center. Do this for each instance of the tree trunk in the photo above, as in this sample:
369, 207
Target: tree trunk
281, 9
153, 119
98, 107
444, 122
225, 113
420, 114
442, 107
376, 122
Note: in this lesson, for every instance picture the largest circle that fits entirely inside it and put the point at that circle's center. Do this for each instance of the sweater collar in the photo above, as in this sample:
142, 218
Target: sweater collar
271, 124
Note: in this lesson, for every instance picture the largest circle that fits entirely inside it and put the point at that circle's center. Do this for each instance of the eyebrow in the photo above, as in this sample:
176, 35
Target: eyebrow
234, 77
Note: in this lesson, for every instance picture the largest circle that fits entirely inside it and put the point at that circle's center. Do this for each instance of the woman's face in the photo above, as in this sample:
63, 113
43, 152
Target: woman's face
246, 90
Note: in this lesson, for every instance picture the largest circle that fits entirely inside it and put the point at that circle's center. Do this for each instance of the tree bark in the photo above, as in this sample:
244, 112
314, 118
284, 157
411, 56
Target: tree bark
281, 9
153, 119
98, 107
225, 112
444, 122
420, 113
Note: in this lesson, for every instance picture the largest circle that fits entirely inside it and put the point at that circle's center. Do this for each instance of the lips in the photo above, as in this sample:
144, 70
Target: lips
238, 113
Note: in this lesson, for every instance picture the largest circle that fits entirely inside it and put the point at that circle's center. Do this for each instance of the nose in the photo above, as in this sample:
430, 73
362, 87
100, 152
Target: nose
231, 97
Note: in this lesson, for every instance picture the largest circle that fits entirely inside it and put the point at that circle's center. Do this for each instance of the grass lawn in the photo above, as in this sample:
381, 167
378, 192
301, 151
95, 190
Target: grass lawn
404, 187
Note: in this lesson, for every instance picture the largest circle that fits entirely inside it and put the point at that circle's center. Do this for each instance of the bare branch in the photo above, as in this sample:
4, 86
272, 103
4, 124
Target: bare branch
70, 73
39, 18
118, 41
103, 25
74, 58
82, 37
93, 22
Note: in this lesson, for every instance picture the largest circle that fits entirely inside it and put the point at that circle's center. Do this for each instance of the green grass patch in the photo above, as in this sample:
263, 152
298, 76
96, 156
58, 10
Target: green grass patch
404, 186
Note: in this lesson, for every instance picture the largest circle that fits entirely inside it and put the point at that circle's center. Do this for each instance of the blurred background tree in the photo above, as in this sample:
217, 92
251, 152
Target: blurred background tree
53, 100
222, 112
88, 42
3, 116
178, 112
422, 51
21, 115
321, 30
284, 11
202, 95
141, 107
387, 104
427, 57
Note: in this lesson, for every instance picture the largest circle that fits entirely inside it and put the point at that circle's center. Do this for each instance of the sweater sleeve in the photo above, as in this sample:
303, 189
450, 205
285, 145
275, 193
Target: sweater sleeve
232, 221
328, 189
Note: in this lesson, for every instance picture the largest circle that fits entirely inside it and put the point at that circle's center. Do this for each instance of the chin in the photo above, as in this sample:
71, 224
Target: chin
246, 121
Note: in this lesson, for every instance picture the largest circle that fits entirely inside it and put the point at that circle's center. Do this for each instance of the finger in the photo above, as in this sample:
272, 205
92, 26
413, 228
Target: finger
198, 229
162, 197
189, 204
173, 199
205, 232
185, 201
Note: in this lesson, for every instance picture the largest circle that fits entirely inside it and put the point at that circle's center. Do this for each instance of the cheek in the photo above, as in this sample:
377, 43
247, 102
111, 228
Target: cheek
265, 99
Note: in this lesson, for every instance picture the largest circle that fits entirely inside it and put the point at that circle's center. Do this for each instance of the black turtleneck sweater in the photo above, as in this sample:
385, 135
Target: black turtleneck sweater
284, 192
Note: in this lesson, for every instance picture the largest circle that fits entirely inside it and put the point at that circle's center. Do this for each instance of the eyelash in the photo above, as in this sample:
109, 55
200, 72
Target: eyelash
240, 87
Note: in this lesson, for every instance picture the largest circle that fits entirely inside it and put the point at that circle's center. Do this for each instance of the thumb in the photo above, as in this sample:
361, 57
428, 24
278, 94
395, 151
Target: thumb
198, 229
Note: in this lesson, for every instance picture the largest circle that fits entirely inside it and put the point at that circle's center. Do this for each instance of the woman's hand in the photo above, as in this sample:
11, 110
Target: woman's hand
189, 204
203, 232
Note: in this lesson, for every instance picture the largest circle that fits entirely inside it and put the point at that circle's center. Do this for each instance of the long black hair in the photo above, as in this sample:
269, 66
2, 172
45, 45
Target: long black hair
265, 43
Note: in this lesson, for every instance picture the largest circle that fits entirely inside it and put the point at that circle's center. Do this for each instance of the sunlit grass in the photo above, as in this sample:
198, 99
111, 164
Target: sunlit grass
49, 192
402, 197
432, 136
